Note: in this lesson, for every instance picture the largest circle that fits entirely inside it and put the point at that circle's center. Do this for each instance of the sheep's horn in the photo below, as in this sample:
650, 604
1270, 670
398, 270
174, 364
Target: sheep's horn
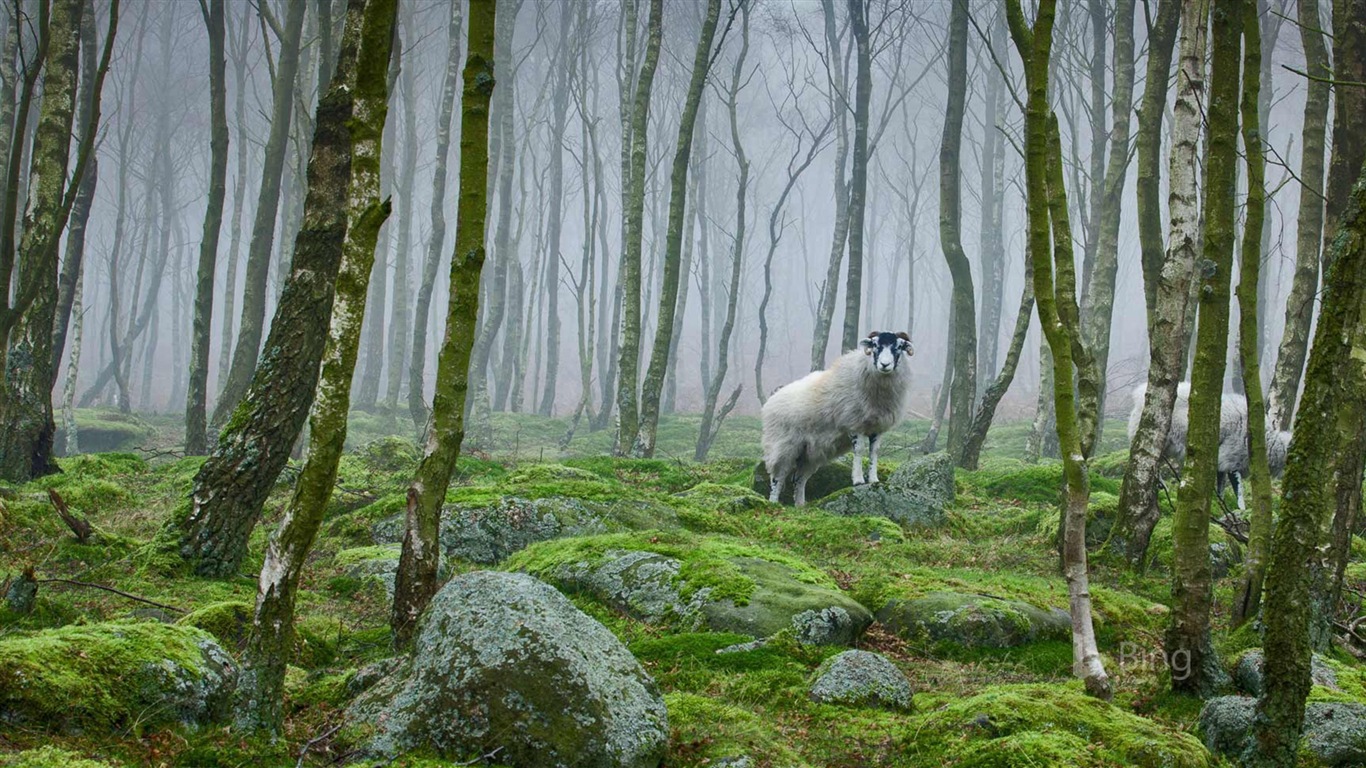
903, 335
873, 334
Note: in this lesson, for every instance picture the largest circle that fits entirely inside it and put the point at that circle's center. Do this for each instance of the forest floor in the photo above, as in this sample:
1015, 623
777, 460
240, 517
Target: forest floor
973, 705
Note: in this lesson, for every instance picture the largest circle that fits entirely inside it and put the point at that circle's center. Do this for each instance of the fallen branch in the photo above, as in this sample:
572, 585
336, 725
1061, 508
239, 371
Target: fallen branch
119, 592
309, 744
79, 526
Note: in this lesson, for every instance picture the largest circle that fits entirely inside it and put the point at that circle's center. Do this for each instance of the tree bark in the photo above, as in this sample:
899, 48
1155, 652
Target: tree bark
360, 75
839, 104
550, 349
400, 328
992, 256
962, 390
416, 579
239, 193
858, 176
196, 426
240, 373
673, 239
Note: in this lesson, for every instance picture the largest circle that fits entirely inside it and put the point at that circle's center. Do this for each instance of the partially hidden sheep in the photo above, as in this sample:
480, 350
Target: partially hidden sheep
1234, 461
822, 415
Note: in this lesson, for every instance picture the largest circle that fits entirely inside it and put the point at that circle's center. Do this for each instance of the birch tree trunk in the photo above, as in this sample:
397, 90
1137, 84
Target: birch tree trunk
416, 579
263, 226
962, 389
991, 240
196, 417
239, 193
360, 78
550, 348
400, 328
838, 85
673, 239
858, 177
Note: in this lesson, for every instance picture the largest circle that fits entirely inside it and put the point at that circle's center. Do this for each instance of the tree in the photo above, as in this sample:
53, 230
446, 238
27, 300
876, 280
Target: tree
351, 116
415, 582
858, 175
1168, 270
1046, 203
1195, 666
263, 225
673, 238
837, 77
1335, 376
963, 388
633, 215
196, 427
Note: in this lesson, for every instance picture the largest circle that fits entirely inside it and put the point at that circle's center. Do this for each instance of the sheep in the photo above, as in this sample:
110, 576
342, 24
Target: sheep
1234, 461
822, 415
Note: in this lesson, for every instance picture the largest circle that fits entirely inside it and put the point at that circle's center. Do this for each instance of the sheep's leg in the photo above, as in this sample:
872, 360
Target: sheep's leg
799, 490
1237, 482
858, 461
775, 486
872, 459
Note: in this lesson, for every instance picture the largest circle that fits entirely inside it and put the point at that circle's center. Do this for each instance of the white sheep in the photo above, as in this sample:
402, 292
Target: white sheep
820, 416
1234, 461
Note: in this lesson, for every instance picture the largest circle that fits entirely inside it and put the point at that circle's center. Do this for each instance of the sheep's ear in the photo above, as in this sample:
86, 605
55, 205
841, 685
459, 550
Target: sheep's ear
867, 345
906, 347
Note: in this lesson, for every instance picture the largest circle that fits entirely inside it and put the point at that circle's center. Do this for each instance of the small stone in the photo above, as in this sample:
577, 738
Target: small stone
826, 626
861, 679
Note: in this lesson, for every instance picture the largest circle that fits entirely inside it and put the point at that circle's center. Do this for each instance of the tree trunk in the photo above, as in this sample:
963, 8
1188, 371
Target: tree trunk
240, 373
673, 239
232, 485
196, 427
1167, 272
992, 245
1195, 666
1259, 533
550, 348
971, 452
1299, 305
239, 193
838, 85
400, 321
417, 360
962, 395
633, 214
416, 579
1334, 377
858, 177
365, 52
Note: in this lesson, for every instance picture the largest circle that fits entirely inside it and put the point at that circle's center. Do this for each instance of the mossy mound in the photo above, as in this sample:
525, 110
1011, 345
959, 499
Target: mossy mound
1014, 725
1009, 480
100, 430
228, 621
745, 740
686, 582
944, 623
100, 676
50, 757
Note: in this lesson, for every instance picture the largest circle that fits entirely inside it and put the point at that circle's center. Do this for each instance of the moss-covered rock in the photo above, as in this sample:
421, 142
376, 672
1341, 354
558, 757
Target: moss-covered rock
1055, 725
918, 493
825, 481
945, 622
100, 430
1247, 672
228, 621
1334, 732
690, 582
100, 676
507, 665
861, 679
49, 757
714, 497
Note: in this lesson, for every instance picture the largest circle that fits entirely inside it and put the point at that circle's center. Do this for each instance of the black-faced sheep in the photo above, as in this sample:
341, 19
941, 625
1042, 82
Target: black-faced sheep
1234, 461
820, 416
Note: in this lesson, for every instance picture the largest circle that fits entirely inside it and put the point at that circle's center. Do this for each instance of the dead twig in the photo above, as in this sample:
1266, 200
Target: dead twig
316, 739
118, 592
79, 526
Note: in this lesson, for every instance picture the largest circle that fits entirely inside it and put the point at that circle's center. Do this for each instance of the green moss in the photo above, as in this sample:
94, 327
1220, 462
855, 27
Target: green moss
705, 730
50, 757
358, 555
227, 621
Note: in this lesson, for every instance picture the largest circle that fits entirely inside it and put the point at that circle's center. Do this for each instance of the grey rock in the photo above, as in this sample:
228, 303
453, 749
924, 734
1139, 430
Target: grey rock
752, 645
930, 476
825, 481
1334, 732
957, 620
861, 679
505, 662
827, 626
1247, 672
918, 493
738, 761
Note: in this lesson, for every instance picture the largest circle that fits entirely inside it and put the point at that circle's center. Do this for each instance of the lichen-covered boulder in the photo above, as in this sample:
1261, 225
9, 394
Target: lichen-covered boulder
1334, 732
861, 679
691, 583
487, 533
825, 481
504, 664
1247, 672
95, 677
948, 621
377, 564
917, 494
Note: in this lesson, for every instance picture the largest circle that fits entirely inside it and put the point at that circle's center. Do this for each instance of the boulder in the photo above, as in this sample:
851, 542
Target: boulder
954, 620
1247, 672
918, 493
861, 679
826, 480
1334, 732
488, 533
97, 677
506, 665
706, 584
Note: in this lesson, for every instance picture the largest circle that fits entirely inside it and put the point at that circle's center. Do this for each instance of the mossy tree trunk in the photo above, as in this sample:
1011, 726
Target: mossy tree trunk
232, 485
196, 418
1167, 270
1195, 666
416, 579
360, 78
1259, 534
633, 215
244, 356
1046, 202
1299, 305
1334, 377
673, 238
963, 387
